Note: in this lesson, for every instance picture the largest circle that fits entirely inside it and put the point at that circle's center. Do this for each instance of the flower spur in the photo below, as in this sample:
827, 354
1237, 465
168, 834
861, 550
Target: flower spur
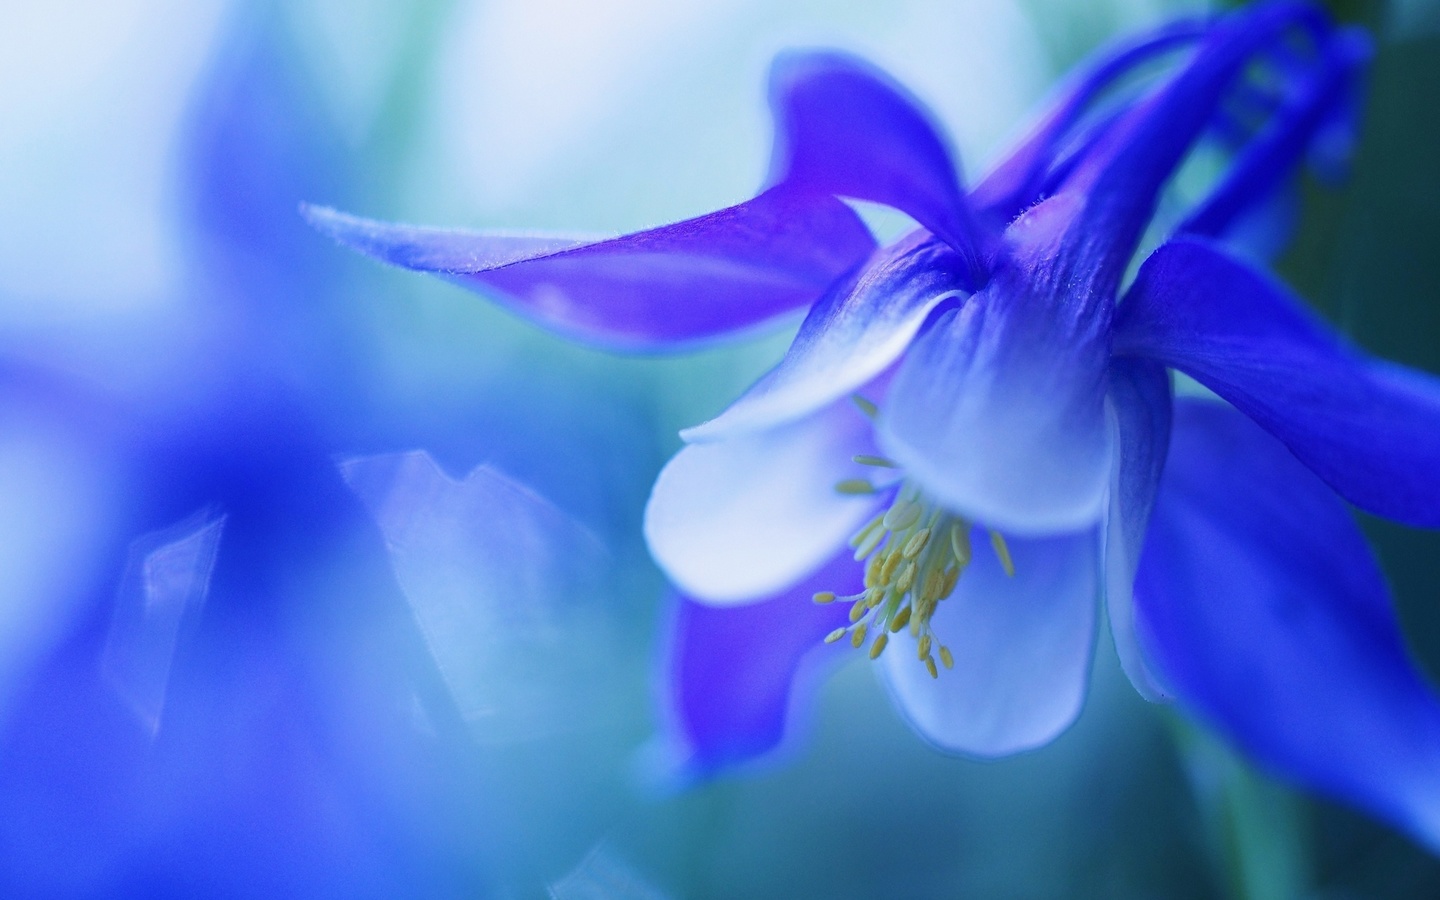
1020, 392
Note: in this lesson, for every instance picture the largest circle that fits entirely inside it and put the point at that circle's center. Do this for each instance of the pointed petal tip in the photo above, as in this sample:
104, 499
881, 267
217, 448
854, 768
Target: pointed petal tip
324, 219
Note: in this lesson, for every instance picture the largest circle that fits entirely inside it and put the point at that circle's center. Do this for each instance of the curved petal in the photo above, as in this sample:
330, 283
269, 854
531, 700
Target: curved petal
501, 583
676, 284
734, 675
737, 519
1122, 182
1017, 182
844, 127
998, 411
1140, 402
1264, 611
1270, 159
848, 338
1369, 428
1021, 646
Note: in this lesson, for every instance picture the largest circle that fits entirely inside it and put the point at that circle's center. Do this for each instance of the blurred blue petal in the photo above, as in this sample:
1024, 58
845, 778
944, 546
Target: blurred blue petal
167, 577
1262, 609
501, 584
261, 705
602, 875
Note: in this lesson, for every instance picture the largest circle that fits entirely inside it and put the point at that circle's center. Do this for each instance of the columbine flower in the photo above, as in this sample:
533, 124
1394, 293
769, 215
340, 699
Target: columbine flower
962, 447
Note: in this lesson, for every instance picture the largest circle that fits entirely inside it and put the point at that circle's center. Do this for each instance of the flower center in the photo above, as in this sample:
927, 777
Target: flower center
914, 554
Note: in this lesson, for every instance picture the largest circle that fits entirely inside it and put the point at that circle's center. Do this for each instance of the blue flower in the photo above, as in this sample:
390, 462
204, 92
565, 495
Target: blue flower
983, 410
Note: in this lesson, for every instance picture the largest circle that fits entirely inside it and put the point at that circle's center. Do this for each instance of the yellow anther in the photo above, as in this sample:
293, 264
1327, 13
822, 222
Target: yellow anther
923, 608
879, 646
872, 571
917, 543
930, 592
866, 459
887, 570
1002, 553
960, 544
901, 516
865, 406
907, 578
947, 588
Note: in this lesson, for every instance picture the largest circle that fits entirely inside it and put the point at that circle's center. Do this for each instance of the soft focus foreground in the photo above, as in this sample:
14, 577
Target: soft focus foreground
319, 579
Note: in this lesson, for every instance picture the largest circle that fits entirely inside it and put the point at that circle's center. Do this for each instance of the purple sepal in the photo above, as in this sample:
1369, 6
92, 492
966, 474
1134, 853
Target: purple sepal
1369, 428
1266, 615
733, 680
665, 288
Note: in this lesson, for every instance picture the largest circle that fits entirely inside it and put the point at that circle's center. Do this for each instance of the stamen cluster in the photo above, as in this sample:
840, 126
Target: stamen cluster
914, 553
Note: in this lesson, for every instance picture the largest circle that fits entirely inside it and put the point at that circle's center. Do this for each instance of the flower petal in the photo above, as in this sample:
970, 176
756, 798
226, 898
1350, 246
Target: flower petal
1122, 183
844, 127
1021, 646
1140, 402
731, 677
1269, 160
849, 337
729, 270
1369, 428
1017, 182
503, 585
740, 518
998, 411
1264, 611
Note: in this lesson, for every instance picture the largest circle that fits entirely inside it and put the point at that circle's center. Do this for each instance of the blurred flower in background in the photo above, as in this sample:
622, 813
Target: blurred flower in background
319, 580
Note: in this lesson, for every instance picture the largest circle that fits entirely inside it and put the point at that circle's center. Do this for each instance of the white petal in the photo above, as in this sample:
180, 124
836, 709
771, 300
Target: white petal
1022, 648
742, 517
